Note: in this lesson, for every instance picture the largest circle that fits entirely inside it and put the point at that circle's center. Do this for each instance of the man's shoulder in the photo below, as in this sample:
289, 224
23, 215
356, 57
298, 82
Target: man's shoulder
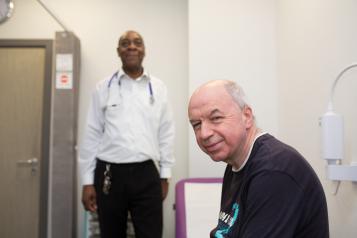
104, 82
268, 146
275, 156
270, 154
158, 85
157, 81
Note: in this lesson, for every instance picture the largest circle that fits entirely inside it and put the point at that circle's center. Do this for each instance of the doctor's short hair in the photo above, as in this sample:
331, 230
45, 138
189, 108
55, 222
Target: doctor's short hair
130, 31
237, 93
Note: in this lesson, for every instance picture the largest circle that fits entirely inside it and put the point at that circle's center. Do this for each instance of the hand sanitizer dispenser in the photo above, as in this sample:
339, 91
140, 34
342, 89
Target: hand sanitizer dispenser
333, 141
332, 137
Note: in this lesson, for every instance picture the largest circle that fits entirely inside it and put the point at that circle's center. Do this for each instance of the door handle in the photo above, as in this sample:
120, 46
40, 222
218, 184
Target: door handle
30, 162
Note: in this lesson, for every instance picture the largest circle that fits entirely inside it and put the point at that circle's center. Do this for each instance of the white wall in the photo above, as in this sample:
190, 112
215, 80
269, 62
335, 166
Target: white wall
316, 40
98, 24
236, 40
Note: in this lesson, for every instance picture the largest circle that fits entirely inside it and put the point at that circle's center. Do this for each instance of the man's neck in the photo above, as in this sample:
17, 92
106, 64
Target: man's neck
246, 149
134, 73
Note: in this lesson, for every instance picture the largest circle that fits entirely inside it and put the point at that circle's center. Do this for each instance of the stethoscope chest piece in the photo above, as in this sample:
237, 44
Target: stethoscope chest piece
152, 100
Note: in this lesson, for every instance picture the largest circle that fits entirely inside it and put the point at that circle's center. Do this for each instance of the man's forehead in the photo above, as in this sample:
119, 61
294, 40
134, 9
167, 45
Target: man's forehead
211, 100
209, 95
206, 106
130, 34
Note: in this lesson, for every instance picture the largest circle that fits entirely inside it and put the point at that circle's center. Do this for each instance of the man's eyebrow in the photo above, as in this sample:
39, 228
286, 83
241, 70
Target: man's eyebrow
134, 38
193, 121
214, 111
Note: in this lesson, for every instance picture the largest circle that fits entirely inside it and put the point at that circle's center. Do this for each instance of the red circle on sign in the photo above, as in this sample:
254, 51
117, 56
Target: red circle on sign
64, 78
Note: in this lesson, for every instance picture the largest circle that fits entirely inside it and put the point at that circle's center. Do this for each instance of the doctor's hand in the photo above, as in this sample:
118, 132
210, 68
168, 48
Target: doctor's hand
89, 198
164, 188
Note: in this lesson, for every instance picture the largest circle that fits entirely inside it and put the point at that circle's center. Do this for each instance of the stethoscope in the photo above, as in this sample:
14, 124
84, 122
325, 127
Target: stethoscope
115, 75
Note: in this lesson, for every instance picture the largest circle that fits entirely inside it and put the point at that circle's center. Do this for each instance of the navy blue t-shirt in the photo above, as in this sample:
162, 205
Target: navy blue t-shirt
276, 195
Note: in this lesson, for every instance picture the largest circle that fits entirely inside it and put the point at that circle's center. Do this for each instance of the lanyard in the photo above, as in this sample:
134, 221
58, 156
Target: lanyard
151, 93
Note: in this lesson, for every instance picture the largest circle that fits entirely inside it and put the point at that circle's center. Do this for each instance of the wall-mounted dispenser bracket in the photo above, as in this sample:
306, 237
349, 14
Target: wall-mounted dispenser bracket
342, 172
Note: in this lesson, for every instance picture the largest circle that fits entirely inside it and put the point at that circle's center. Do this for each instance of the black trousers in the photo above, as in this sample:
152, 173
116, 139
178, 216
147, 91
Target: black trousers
135, 187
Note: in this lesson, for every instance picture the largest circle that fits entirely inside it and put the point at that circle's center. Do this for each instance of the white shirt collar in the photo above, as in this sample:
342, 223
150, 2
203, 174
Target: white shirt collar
122, 74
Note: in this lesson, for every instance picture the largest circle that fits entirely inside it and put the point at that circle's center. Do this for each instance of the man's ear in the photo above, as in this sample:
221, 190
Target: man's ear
248, 116
118, 51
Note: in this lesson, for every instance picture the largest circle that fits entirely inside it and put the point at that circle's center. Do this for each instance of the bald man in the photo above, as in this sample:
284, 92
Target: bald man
129, 129
269, 189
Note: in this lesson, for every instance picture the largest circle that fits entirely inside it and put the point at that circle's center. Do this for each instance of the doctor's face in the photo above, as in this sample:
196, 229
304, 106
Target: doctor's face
220, 125
131, 50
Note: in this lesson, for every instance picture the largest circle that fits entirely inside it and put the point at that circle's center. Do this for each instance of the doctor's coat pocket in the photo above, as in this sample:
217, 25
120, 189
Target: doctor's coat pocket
112, 111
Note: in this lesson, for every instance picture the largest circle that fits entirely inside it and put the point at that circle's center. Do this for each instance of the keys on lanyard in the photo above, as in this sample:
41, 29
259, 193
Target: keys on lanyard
107, 177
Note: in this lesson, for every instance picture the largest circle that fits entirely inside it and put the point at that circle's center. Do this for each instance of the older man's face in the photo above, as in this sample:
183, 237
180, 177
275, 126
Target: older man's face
131, 50
219, 124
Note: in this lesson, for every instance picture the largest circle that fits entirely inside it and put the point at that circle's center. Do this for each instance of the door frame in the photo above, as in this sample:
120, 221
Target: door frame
46, 123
